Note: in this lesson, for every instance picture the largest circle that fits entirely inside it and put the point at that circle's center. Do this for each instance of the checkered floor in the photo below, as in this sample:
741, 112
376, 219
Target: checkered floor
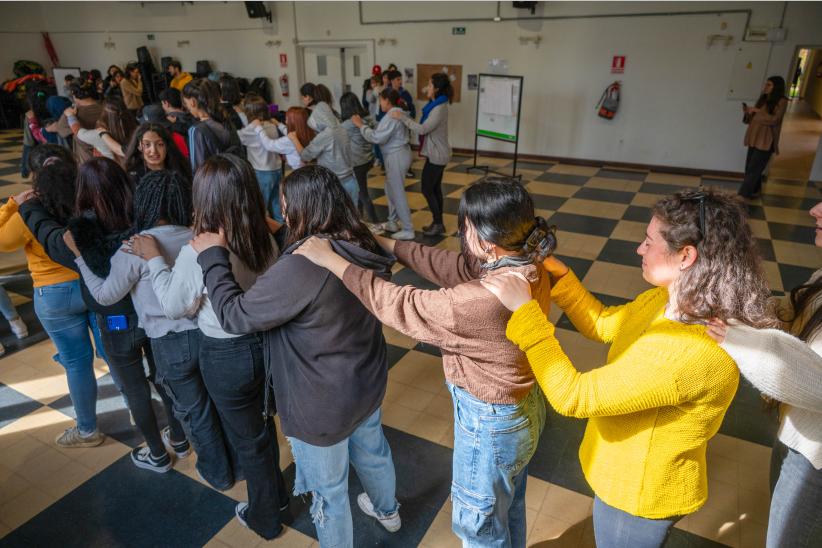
96, 497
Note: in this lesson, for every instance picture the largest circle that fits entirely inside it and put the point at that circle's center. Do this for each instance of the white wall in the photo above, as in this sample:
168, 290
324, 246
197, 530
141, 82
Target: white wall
674, 112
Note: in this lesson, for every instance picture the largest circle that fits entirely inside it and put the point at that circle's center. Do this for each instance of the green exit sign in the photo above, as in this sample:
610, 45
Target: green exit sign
458, 30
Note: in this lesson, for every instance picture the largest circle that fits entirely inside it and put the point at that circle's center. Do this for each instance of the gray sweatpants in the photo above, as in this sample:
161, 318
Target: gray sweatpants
396, 166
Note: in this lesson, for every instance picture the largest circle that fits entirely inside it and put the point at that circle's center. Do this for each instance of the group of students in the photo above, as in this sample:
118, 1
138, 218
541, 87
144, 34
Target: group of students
249, 296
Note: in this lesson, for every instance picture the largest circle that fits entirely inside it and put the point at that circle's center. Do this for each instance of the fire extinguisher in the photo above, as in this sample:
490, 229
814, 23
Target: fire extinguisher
284, 85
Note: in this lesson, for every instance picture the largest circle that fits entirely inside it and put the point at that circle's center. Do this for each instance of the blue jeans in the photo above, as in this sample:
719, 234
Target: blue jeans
796, 500
6, 306
177, 357
352, 188
614, 528
324, 472
269, 182
64, 316
493, 444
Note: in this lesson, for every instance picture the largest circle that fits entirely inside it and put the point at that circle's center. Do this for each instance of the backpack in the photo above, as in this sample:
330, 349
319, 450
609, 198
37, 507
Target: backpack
234, 147
24, 68
609, 102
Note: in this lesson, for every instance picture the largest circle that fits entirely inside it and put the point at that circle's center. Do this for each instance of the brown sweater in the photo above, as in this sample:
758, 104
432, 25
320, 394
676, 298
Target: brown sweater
764, 128
463, 319
132, 93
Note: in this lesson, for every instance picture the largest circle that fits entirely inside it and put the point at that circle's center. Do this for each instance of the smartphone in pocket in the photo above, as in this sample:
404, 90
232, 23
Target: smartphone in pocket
117, 323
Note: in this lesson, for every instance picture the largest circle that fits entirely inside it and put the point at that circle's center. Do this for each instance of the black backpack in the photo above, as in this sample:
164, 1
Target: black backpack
234, 147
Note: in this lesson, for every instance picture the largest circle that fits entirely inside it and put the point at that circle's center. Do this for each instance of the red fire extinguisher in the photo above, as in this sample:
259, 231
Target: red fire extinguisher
284, 85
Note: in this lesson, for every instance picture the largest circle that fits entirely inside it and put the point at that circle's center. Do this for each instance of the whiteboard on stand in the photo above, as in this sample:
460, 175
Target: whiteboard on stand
498, 107
60, 74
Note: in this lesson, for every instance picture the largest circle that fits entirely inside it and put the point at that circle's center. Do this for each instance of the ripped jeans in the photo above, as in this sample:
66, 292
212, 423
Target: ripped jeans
493, 444
323, 471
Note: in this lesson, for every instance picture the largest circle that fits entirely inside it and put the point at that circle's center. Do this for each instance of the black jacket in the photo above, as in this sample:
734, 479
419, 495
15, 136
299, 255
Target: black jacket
96, 246
325, 352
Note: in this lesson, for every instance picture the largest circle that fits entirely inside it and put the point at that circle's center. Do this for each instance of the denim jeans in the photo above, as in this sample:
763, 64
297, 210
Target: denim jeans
234, 374
64, 316
614, 528
125, 350
352, 188
493, 444
269, 182
6, 306
178, 369
323, 471
796, 500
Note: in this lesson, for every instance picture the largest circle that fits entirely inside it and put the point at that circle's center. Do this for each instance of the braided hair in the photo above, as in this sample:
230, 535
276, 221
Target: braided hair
162, 195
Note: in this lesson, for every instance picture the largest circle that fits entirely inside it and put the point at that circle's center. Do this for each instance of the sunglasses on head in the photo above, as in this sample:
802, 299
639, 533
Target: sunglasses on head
699, 197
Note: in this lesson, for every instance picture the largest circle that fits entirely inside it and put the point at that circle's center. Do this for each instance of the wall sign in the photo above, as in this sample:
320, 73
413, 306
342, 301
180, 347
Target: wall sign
618, 64
458, 30
283, 60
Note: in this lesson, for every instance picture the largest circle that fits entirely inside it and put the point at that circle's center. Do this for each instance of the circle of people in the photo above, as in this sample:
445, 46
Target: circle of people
248, 295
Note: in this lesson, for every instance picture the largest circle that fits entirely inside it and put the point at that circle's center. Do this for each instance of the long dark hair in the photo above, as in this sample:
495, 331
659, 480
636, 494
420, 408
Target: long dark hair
162, 195
227, 196
117, 120
207, 96
442, 85
104, 188
727, 280
54, 175
230, 90
175, 161
350, 105
771, 100
802, 298
316, 203
502, 213
307, 90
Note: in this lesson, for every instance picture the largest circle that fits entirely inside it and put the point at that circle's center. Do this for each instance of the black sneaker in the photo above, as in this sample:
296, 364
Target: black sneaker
142, 458
434, 230
181, 448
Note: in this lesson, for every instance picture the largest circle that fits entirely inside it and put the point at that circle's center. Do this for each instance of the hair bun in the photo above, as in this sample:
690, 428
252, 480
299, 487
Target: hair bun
542, 241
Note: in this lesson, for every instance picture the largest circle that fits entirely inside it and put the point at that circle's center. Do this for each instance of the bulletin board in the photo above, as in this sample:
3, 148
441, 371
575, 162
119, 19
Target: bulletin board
60, 74
498, 107
424, 73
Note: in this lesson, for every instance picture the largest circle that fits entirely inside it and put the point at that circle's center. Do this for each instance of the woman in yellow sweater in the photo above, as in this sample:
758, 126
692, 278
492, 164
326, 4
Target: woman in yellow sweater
666, 386
57, 299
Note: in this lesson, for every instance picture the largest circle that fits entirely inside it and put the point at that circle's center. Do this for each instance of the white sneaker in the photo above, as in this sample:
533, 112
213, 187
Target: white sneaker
403, 235
19, 328
391, 523
389, 226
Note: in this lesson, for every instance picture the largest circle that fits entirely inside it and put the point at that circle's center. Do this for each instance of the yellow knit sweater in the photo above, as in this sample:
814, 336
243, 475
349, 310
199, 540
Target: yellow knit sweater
652, 408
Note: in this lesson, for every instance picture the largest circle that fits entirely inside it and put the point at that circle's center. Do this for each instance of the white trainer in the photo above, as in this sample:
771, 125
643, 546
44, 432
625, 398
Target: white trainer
391, 523
403, 235
19, 328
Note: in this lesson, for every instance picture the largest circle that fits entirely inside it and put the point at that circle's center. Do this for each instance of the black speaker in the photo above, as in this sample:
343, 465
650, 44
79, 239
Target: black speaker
165, 61
523, 5
257, 10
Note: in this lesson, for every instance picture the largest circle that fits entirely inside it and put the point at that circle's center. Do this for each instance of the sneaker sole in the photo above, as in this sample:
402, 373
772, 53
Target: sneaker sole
390, 529
144, 466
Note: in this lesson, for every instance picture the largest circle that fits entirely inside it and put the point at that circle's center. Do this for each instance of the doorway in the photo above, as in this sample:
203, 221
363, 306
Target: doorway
340, 67
799, 142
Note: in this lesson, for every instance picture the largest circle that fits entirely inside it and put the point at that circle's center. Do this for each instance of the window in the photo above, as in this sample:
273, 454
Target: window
356, 65
322, 65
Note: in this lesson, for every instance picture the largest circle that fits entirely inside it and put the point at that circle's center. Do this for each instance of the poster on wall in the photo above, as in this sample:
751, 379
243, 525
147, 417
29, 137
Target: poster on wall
424, 73
472, 81
409, 76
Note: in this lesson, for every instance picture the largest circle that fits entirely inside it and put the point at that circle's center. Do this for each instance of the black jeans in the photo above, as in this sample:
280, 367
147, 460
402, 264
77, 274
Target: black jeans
364, 203
432, 189
234, 373
755, 165
178, 369
124, 351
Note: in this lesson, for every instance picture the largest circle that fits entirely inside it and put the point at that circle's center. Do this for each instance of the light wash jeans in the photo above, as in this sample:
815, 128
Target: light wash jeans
796, 500
269, 182
6, 306
614, 528
493, 444
323, 471
352, 188
64, 316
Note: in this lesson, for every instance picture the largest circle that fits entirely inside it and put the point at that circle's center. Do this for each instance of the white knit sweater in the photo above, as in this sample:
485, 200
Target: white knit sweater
785, 368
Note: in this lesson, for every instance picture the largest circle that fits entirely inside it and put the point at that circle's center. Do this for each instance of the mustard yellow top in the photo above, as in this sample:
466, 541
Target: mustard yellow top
180, 81
652, 408
14, 234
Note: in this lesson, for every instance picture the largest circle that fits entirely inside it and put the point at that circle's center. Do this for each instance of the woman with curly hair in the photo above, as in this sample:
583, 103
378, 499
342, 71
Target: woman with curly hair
58, 300
664, 390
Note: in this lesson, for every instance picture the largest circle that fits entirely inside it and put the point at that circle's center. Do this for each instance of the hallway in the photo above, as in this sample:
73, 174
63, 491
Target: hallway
801, 131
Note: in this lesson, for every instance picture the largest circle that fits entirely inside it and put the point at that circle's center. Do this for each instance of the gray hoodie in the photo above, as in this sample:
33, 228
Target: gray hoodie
362, 151
330, 147
391, 134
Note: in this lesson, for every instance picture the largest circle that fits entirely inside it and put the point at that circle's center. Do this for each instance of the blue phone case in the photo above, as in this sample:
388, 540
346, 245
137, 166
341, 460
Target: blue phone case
117, 323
